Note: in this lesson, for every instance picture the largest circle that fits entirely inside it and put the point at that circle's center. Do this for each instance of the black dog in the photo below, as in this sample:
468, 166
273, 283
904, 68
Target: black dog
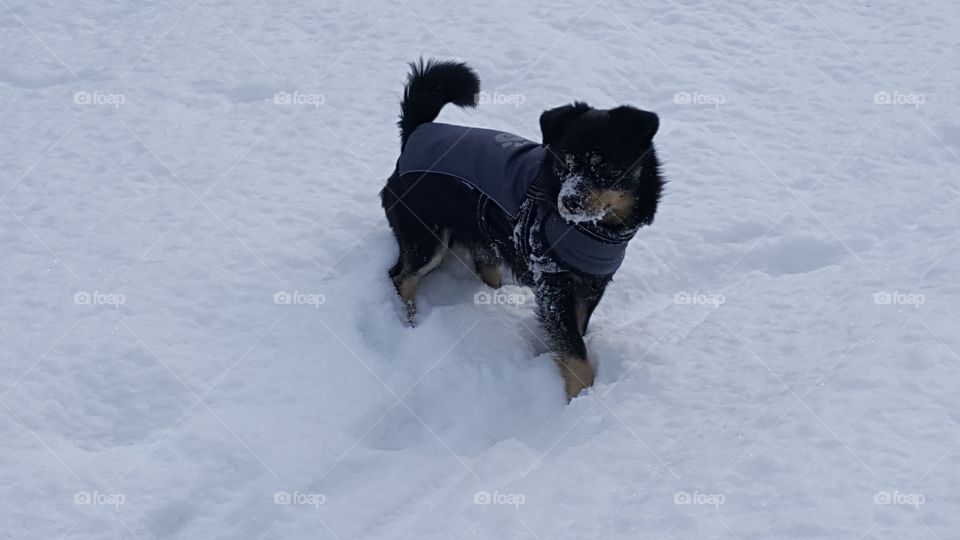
559, 214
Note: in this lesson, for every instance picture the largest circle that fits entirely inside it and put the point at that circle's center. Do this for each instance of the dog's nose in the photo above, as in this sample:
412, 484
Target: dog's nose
574, 204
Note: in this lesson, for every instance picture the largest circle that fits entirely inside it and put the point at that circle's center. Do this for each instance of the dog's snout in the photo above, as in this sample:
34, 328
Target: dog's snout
572, 203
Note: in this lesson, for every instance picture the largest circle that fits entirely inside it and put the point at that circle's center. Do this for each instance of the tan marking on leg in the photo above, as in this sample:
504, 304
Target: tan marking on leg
490, 275
577, 374
583, 312
437, 255
407, 288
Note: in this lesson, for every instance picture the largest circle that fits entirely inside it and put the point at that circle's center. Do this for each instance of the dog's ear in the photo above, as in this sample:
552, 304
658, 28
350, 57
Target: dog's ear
643, 124
555, 121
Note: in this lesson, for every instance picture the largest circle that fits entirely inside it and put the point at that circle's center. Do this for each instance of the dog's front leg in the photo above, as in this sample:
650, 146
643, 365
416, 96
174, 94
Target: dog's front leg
486, 261
557, 301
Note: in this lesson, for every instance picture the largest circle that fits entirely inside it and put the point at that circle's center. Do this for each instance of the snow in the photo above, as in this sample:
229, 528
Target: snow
198, 338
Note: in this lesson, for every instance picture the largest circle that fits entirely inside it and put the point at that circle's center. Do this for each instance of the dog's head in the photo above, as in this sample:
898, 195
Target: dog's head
602, 167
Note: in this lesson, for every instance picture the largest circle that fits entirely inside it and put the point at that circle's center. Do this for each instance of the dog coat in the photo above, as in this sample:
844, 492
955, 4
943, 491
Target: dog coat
505, 169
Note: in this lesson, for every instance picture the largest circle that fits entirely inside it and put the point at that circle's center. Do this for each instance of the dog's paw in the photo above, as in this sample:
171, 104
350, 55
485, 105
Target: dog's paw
406, 312
410, 314
577, 375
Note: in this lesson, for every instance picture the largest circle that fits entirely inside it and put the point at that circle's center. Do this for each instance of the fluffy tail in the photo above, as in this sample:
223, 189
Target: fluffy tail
430, 86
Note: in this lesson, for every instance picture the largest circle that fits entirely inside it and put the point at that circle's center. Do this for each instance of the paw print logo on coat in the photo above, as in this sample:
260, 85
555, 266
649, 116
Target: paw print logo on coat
509, 140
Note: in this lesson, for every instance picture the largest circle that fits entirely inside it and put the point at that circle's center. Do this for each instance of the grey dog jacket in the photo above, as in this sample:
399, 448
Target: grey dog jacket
505, 169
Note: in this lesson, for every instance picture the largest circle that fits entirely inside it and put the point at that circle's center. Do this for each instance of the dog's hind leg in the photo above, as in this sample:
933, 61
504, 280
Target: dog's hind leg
421, 246
418, 256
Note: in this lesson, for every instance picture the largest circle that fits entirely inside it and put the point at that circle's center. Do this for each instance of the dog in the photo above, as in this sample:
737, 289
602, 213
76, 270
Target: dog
557, 214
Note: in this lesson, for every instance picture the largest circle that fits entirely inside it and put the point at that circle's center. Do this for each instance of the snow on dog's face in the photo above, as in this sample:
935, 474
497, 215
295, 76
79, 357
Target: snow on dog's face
604, 167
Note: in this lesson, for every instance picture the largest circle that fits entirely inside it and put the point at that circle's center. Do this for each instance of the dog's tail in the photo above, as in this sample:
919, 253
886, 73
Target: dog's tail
430, 86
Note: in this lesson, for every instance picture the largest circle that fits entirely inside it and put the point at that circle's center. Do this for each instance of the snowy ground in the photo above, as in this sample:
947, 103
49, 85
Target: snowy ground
778, 357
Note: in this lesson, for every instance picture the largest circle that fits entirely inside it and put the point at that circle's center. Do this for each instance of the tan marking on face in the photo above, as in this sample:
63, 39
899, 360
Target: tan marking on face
577, 374
616, 206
